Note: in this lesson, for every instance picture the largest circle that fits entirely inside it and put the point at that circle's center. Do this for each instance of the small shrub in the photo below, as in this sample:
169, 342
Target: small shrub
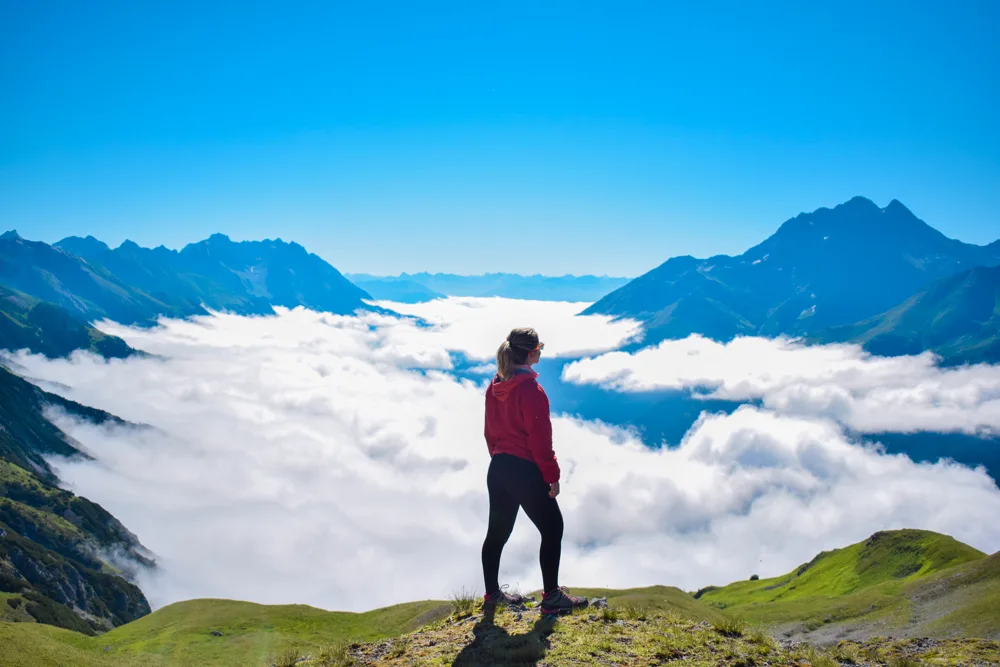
463, 603
287, 658
730, 627
634, 612
818, 659
754, 577
757, 635
13, 603
848, 653
903, 661
610, 614
337, 655
397, 648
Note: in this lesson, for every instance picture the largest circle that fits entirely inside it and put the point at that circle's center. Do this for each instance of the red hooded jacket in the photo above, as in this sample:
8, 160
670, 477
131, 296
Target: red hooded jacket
517, 422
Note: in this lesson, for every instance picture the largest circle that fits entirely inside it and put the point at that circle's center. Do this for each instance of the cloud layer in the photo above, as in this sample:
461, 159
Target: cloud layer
335, 461
867, 393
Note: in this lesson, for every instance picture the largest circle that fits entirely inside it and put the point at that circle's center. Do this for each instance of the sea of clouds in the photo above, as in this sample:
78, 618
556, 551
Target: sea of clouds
339, 461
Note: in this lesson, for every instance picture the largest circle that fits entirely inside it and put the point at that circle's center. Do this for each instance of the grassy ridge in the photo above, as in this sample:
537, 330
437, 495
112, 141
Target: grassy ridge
182, 634
891, 584
906, 581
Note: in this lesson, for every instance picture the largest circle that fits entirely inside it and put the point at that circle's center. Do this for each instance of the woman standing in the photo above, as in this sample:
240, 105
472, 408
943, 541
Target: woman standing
523, 471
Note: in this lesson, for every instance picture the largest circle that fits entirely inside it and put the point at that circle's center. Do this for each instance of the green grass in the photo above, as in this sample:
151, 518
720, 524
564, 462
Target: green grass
252, 634
871, 580
582, 638
652, 599
23, 644
181, 634
885, 578
464, 603
973, 590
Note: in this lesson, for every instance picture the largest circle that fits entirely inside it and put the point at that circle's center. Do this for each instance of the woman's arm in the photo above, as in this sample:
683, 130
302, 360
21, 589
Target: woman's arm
535, 412
490, 440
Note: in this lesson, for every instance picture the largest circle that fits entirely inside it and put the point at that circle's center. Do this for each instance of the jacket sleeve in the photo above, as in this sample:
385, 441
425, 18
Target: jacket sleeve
490, 441
535, 412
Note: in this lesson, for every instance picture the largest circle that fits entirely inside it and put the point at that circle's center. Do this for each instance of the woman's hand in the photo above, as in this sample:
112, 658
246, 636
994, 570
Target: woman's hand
553, 489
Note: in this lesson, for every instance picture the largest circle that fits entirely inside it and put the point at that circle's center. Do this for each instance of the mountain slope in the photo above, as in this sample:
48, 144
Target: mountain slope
627, 632
820, 269
248, 634
45, 328
181, 633
895, 582
85, 290
135, 285
54, 566
247, 277
958, 317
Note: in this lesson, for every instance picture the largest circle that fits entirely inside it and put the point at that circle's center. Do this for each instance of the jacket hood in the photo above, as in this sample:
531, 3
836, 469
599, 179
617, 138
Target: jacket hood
503, 388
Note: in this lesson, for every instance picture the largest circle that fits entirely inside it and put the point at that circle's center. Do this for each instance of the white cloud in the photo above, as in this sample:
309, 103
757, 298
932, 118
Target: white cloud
334, 461
470, 325
869, 394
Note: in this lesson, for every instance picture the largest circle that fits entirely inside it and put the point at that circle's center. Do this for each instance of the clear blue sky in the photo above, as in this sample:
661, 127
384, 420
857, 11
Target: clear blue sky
470, 137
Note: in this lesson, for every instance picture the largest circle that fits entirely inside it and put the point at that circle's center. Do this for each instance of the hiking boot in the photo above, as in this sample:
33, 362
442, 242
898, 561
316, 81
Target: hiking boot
505, 599
560, 601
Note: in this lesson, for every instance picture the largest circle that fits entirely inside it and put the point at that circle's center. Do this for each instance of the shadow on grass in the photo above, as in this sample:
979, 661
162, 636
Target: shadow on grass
493, 645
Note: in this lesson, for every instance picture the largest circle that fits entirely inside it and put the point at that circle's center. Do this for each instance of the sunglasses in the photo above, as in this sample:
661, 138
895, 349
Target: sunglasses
539, 347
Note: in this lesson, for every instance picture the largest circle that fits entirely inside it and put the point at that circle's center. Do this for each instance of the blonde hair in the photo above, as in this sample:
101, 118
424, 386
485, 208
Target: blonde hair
515, 350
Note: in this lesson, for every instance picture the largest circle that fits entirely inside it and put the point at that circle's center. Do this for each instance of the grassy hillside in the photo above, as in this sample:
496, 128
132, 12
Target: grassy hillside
185, 633
51, 570
964, 600
182, 634
641, 626
45, 328
892, 583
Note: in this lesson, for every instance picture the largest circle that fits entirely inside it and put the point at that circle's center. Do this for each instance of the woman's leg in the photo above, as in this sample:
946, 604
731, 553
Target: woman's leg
503, 513
544, 513
527, 487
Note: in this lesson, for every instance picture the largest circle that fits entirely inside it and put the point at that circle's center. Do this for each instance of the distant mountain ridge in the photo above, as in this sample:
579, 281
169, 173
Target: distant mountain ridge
957, 317
822, 269
586, 288
135, 285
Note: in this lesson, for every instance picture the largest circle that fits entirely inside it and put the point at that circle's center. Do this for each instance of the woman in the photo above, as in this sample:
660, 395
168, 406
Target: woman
523, 471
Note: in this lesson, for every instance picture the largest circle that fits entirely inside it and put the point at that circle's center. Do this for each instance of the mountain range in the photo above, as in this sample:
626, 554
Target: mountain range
419, 287
135, 285
858, 273
842, 267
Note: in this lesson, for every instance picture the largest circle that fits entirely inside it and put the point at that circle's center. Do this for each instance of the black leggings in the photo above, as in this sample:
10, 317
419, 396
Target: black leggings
515, 482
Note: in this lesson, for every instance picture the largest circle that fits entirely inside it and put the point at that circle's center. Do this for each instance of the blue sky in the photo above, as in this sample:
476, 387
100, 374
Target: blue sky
470, 137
